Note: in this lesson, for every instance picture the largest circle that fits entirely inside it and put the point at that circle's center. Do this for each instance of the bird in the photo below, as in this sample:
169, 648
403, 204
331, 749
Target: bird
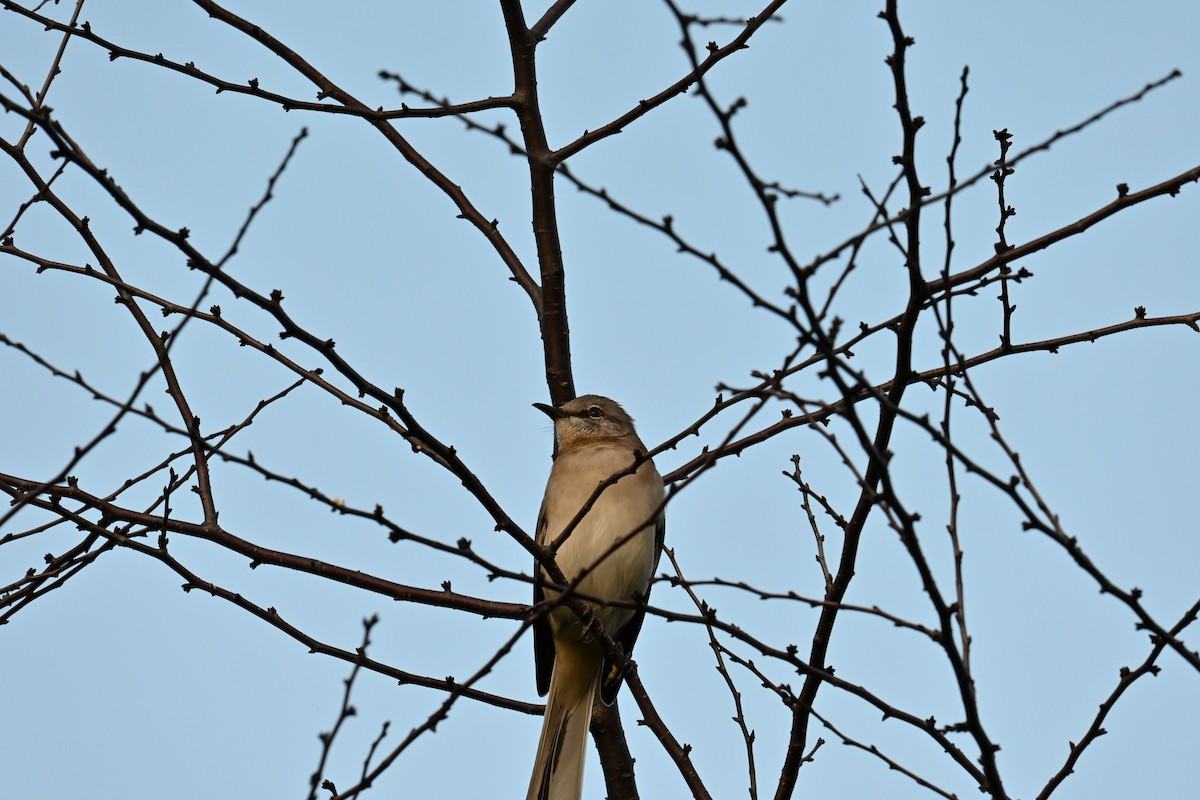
617, 544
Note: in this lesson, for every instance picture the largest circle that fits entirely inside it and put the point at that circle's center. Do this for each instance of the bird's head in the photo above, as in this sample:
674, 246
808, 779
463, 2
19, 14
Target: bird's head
590, 419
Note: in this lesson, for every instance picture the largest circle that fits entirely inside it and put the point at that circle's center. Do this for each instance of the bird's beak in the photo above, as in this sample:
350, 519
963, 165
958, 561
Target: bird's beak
549, 411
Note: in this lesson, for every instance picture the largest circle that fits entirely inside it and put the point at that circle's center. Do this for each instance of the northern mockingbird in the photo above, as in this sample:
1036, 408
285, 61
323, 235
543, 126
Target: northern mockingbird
617, 543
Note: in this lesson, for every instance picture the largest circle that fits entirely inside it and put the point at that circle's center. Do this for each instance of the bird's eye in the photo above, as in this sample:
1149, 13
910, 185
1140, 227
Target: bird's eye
595, 412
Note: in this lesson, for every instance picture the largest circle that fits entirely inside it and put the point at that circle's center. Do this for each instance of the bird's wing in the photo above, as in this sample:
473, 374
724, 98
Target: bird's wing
543, 640
611, 677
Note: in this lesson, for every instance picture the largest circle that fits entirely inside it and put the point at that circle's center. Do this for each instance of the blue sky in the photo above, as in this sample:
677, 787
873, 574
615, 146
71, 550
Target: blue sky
121, 685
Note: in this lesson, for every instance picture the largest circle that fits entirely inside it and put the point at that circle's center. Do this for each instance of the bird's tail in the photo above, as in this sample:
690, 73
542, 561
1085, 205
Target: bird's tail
562, 750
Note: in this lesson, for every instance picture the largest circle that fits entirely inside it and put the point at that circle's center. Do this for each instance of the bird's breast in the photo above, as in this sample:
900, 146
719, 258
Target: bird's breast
613, 545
